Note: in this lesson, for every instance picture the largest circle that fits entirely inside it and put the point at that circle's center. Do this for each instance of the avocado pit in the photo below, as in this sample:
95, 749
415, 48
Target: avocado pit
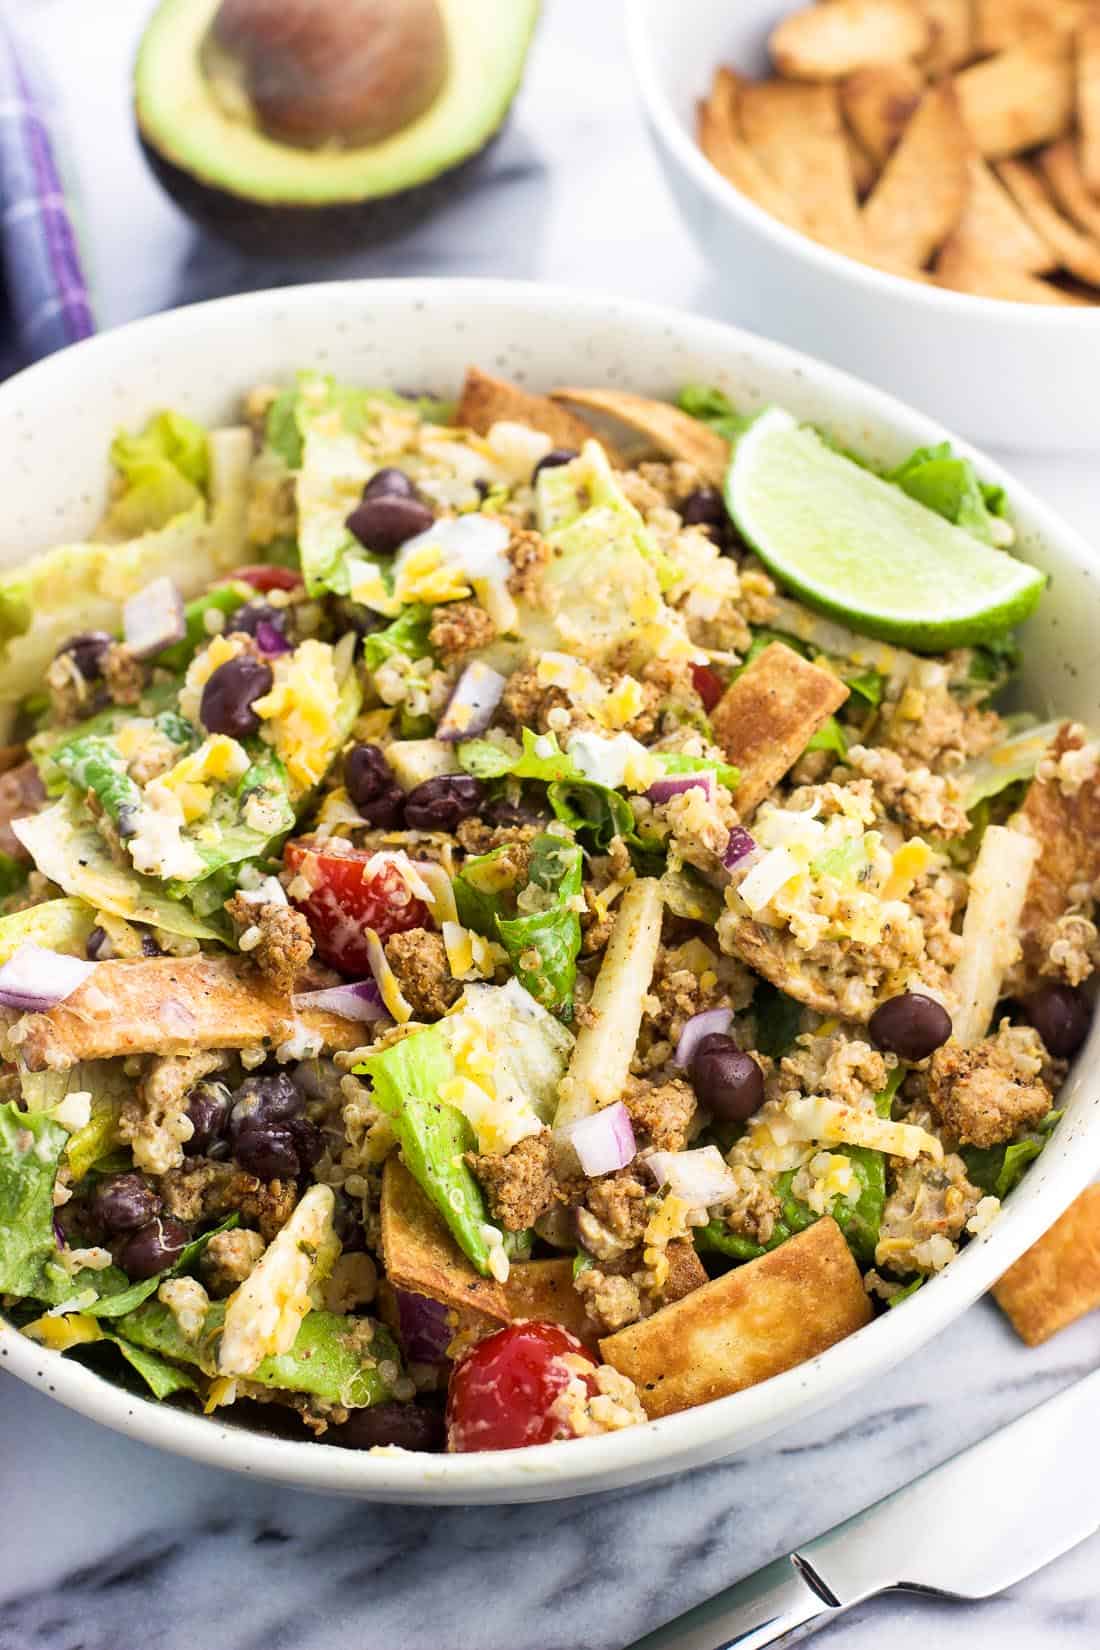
327, 72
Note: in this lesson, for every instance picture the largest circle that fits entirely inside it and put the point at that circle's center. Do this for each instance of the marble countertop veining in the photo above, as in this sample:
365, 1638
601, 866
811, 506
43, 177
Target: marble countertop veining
108, 1545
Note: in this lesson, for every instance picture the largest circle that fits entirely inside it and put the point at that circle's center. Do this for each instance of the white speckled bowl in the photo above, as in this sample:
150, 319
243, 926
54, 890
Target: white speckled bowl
1020, 376
58, 419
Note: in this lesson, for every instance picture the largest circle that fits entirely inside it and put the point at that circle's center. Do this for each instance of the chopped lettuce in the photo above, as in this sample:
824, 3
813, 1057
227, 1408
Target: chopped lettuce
47, 745
583, 502
407, 635
1009, 763
30, 1151
711, 406
163, 1379
67, 848
591, 810
223, 838
56, 925
997, 1170
830, 736
433, 1136
163, 473
96, 764
118, 1296
778, 1020
544, 942
13, 875
937, 478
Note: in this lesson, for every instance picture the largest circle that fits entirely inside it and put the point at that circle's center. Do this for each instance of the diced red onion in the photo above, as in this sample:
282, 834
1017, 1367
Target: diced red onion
34, 979
154, 619
603, 1142
714, 1022
470, 708
423, 1327
739, 846
361, 1001
675, 784
701, 1177
270, 639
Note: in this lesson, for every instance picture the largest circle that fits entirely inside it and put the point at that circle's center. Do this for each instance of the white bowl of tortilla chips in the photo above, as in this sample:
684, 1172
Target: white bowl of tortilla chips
59, 417
943, 140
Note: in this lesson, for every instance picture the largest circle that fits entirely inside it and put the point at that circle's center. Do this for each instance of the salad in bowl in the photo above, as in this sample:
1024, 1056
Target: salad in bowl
521, 916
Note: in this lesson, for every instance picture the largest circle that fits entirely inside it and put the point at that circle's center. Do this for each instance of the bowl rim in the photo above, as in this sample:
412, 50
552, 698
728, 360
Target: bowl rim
693, 1437
725, 197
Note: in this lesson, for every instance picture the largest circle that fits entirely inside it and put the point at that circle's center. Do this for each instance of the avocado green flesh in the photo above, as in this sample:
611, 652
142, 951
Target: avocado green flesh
182, 120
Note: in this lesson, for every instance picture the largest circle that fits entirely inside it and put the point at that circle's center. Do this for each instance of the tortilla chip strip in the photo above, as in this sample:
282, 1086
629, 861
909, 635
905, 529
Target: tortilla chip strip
1019, 99
1000, 24
827, 42
797, 135
965, 269
721, 141
755, 1322
671, 431
863, 168
1066, 182
1068, 830
920, 196
952, 27
992, 219
168, 1005
1087, 74
1073, 250
487, 401
878, 104
767, 717
1058, 1279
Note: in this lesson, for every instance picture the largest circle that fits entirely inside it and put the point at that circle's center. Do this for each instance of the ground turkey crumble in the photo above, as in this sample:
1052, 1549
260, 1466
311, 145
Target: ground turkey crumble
201, 1189
419, 959
985, 1095
529, 554
927, 1207
520, 1185
930, 726
228, 1259
662, 1112
459, 628
275, 937
125, 675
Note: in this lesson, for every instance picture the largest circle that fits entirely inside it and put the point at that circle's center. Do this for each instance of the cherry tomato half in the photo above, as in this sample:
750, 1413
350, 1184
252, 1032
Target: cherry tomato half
502, 1392
344, 900
265, 576
708, 685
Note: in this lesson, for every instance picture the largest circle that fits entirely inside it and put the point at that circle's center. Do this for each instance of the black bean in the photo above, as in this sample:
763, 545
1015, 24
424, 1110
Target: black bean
226, 705
1061, 1014
553, 460
88, 651
912, 1026
308, 1140
97, 947
267, 1150
502, 812
441, 804
409, 1426
370, 784
704, 508
383, 524
727, 1082
389, 483
149, 946
248, 618
123, 1202
152, 1248
208, 1107
270, 1098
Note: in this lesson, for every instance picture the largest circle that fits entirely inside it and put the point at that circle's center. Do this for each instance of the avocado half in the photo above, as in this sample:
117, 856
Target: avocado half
268, 196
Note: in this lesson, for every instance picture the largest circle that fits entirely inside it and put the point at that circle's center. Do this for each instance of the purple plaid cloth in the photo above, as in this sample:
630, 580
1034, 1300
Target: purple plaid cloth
46, 293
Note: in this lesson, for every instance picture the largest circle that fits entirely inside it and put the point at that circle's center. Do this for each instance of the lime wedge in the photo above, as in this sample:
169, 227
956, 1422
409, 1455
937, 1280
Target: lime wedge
852, 545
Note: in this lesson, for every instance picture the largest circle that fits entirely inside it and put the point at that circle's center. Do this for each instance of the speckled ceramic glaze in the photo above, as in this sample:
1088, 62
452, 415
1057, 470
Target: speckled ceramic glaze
420, 335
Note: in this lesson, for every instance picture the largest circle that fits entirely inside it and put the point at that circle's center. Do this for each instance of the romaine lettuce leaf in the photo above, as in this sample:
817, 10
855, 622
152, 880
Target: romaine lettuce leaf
997, 1170
711, 406
1008, 763
56, 925
162, 1378
30, 1151
830, 736
163, 471
778, 1020
552, 933
937, 478
407, 634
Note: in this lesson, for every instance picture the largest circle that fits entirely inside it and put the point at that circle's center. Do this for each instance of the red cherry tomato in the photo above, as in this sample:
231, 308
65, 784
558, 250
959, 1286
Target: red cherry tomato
502, 1392
263, 576
708, 685
345, 900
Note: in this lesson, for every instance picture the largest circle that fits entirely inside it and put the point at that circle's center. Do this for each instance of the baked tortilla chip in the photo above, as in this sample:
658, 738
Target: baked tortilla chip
487, 401
721, 141
863, 168
921, 194
879, 103
963, 268
421, 1255
992, 220
1062, 170
1003, 23
830, 41
671, 431
1073, 249
952, 28
1067, 827
1021, 98
1087, 76
1058, 1280
797, 135
168, 1005
755, 1322
767, 717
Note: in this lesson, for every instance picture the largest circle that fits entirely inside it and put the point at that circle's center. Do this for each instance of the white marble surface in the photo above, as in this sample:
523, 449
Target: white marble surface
107, 1545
